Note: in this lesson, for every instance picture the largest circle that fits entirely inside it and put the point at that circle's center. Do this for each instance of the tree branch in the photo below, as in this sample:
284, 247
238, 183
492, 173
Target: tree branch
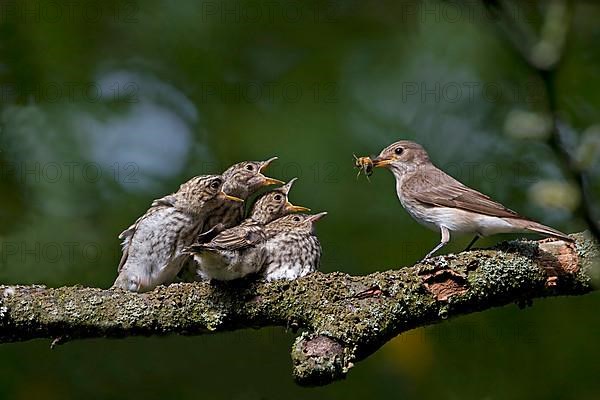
344, 318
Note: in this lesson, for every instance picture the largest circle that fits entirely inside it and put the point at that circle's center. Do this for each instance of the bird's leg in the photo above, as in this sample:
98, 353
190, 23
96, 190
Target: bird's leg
476, 238
445, 239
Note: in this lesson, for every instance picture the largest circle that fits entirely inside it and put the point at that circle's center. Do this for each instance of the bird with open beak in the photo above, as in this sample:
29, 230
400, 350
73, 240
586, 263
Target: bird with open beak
153, 247
238, 251
242, 180
440, 202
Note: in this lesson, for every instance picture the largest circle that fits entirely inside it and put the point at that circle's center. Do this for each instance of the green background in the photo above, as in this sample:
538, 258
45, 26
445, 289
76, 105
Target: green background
108, 105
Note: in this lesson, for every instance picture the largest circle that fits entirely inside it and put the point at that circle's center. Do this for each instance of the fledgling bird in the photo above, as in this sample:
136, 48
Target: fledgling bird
153, 246
440, 202
237, 252
292, 248
241, 180
274, 204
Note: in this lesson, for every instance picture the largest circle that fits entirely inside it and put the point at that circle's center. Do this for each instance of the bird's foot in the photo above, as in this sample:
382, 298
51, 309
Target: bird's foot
472, 242
425, 259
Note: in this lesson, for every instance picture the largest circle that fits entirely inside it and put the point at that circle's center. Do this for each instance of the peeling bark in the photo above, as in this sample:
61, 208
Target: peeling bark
344, 318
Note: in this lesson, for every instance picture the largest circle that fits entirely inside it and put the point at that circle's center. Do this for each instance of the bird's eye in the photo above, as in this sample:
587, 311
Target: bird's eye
278, 197
398, 150
215, 184
250, 167
296, 219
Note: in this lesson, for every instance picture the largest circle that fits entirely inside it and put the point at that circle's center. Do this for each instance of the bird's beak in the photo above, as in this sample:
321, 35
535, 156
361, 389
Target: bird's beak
231, 198
380, 162
265, 164
271, 181
288, 186
316, 217
292, 208
266, 180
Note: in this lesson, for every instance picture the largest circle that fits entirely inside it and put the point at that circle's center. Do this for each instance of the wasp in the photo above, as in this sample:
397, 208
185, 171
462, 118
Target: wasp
363, 164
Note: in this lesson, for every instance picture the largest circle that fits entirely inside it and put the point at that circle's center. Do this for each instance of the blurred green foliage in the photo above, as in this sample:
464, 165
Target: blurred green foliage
107, 105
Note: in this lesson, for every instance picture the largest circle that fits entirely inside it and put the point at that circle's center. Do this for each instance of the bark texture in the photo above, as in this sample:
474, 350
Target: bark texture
343, 318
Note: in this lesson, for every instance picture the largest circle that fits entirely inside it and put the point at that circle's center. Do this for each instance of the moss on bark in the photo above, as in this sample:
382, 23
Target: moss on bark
344, 318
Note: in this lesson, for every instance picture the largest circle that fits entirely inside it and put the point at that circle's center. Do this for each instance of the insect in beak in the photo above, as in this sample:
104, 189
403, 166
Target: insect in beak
365, 165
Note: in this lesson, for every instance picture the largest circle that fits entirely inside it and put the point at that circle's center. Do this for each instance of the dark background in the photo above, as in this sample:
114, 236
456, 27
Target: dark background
108, 105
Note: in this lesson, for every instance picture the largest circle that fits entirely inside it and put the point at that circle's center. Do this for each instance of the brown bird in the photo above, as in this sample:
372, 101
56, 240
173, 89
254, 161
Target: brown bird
153, 246
274, 204
241, 180
440, 202
235, 252
292, 248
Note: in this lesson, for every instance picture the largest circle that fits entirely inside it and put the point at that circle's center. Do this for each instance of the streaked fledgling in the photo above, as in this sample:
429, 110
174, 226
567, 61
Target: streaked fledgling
153, 246
241, 180
292, 248
440, 202
237, 252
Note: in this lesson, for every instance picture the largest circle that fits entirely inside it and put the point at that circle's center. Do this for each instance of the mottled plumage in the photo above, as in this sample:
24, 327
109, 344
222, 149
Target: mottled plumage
292, 248
440, 202
241, 180
236, 252
153, 246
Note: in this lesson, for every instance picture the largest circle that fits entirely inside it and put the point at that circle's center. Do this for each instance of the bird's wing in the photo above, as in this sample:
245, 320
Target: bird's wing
237, 238
210, 234
435, 188
127, 235
166, 201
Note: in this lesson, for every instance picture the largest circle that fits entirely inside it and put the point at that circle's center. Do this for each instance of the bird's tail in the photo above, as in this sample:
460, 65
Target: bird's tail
532, 226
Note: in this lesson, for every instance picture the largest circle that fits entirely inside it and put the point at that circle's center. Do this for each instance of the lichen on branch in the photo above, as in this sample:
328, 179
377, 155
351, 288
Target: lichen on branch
343, 318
